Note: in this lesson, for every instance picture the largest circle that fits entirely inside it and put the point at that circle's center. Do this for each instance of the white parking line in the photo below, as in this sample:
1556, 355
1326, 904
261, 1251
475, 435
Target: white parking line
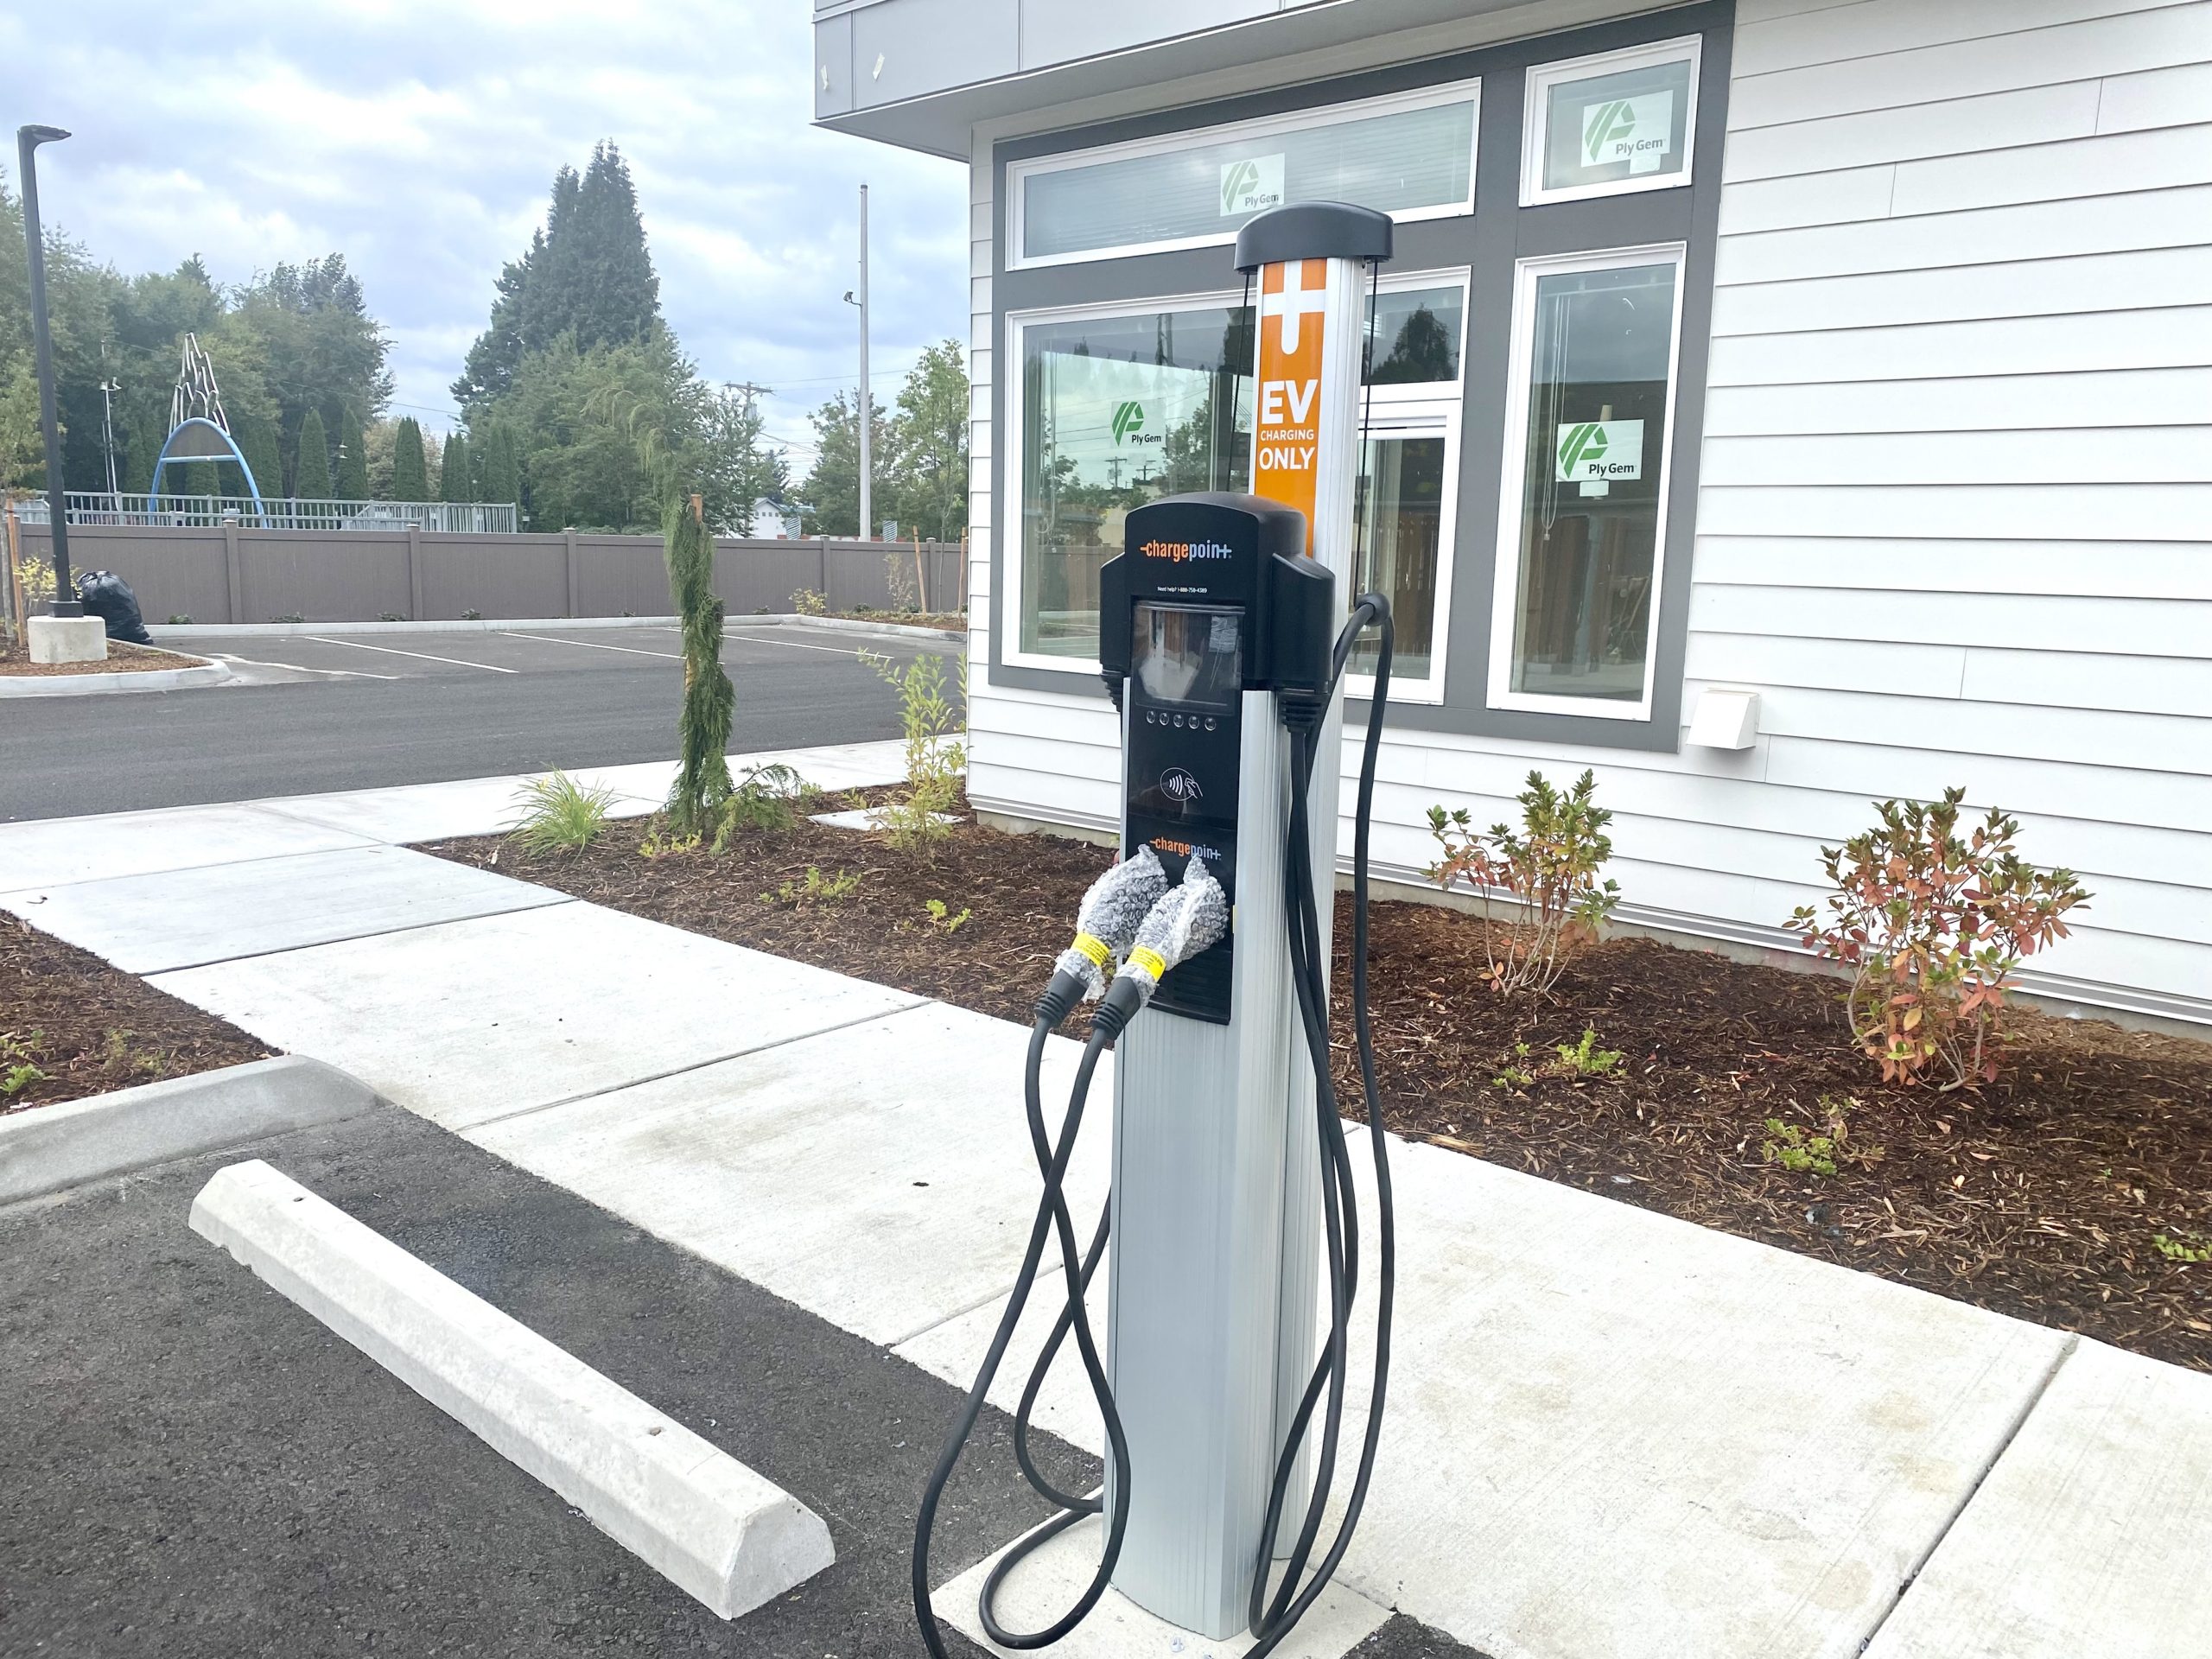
800, 644
300, 668
593, 644
422, 654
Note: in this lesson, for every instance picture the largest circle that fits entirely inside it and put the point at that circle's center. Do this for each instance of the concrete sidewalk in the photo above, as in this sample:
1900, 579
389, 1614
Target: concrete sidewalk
1608, 1433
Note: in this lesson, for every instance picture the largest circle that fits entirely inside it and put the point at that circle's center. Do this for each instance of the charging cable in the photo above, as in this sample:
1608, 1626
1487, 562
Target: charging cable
1172, 925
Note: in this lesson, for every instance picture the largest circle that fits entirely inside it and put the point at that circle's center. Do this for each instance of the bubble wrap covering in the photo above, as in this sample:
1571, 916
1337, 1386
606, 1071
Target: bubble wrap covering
1111, 910
1188, 920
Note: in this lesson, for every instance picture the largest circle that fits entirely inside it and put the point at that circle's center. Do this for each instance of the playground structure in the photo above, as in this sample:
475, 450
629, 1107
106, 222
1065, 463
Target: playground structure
199, 430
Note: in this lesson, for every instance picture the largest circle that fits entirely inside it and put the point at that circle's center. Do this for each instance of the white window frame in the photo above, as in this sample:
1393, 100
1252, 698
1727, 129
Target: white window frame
1020, 173
1417, 411
1536, 107
1505, 596
1011, 508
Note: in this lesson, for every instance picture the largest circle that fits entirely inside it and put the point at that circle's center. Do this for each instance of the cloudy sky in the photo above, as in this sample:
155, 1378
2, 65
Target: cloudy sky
420, 140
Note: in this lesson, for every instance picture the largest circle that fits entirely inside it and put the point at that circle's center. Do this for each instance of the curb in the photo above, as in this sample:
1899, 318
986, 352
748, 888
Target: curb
844, 624
717, 1529
80, 685
49, 1147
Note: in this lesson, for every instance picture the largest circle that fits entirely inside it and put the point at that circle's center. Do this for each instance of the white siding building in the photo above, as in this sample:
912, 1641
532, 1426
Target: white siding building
1908, 302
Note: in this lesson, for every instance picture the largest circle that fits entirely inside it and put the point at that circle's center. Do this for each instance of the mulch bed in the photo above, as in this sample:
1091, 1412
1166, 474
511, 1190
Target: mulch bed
121, 658
2041, 1196
88, 1028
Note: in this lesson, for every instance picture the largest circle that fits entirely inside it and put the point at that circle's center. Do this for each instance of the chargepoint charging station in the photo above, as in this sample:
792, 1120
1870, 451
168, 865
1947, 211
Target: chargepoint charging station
1225, 625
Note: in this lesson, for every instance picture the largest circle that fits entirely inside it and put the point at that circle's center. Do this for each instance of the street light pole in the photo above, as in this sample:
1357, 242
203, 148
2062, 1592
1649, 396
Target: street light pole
27, 139
868, 506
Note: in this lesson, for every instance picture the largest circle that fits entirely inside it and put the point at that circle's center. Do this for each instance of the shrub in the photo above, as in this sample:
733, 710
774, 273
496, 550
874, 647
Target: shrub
905, 594
807, 602
1932, 926
1584, 1058
180, 621
771, 798
1549, 870
702, 720
472, 616
289, 616
559, 814
936, 763
391, 616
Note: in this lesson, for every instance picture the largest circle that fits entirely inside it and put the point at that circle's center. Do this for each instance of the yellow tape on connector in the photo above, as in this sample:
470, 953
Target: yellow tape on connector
1097, 949
1151, 961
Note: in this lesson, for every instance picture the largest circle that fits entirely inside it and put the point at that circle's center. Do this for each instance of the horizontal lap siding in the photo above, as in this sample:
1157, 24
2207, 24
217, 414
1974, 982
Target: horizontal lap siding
1956, 522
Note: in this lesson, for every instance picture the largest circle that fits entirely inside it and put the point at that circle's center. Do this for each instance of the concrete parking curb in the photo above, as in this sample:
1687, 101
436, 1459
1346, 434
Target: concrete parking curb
79, 685
714, 1527
49, 1147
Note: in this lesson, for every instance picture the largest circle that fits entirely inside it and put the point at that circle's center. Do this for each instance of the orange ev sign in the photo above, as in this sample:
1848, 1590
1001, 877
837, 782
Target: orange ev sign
1286, 437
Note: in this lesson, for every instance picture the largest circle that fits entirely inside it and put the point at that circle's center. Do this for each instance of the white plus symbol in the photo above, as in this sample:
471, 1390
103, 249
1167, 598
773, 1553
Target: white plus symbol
1293, 301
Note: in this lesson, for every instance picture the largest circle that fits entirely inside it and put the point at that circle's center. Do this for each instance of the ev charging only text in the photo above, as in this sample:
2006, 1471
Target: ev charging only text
1285, 417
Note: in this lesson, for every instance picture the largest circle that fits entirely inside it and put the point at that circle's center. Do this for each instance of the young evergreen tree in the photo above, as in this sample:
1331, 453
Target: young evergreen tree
453, 483
311, 460
353, 458
499, 477
410, 478
257, 443
702, 724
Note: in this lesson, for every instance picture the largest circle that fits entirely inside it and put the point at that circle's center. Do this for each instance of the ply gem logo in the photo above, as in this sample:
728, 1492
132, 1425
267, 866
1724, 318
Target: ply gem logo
1613, 119
1584, 440
1129, 417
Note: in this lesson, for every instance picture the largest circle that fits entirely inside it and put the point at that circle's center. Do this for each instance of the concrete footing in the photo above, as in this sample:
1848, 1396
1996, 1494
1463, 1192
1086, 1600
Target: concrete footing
68, 640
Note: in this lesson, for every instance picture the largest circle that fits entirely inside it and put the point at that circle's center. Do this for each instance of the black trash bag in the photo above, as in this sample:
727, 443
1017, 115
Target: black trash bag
107, 595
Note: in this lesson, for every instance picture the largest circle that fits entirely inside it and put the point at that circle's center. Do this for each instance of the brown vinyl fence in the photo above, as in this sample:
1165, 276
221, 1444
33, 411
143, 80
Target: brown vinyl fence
231, 573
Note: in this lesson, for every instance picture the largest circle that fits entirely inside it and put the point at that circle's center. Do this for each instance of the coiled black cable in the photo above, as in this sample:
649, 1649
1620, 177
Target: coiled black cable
1270, 1621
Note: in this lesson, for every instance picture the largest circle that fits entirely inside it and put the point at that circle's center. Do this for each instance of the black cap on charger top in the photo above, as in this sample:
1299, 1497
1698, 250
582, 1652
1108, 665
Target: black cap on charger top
1313, 230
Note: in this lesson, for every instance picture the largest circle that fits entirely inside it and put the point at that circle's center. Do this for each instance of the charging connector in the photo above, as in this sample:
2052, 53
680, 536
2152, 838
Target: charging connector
1106, 924
1191, 917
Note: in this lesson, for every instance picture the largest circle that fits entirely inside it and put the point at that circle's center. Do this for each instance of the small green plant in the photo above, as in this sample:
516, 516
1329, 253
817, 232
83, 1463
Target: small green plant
472, 616
180, 621
816, 889
1813, 1152
17, 1071
1514, 1073
1547, 870
1796, 1151
391, 616
941, 916
1932, 925
289, 616
1584, 1058
770, 798
807, 602
936, 762
2180, 1250
559, 814
659, 843
900, 580
117, 1055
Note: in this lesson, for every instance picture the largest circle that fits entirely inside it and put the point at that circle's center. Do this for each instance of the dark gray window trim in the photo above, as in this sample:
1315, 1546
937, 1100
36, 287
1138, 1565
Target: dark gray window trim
1499, 233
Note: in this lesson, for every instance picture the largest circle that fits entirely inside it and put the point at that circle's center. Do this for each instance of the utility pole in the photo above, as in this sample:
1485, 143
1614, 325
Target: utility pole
859, 297
27, 139
108, 389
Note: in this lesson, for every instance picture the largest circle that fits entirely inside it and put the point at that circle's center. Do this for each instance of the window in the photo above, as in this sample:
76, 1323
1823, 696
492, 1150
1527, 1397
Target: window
1590, 393
1411, 155
1405, 501
1608, 125
1115, 408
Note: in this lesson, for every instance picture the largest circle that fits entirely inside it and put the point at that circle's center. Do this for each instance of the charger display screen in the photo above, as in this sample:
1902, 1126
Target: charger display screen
1188, 656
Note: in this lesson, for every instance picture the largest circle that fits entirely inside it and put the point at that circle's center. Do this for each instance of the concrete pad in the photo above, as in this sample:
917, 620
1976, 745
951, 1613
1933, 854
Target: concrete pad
1047, 1584
716, 1528
470, 1020
53, 1147
46, 852
2092, 1535
419, 812
182, 918
878, 1175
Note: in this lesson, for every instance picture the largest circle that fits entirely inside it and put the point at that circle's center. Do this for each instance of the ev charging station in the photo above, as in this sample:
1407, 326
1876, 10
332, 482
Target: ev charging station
1222, 642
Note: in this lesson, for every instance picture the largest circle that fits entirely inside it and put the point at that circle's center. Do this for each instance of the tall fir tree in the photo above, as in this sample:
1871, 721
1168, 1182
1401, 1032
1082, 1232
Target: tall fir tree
703, 719
411, 476
832, 489
453, 483
311, 460
499, 477
353, 458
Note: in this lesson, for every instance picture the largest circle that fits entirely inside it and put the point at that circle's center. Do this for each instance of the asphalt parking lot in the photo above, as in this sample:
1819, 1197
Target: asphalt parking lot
308, 713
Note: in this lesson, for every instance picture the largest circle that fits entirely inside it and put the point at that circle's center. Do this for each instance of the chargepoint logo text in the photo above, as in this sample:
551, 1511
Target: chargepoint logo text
1186, 552
1129, 417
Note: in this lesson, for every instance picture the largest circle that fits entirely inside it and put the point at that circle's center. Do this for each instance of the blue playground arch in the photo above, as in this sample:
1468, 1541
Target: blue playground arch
198, 438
